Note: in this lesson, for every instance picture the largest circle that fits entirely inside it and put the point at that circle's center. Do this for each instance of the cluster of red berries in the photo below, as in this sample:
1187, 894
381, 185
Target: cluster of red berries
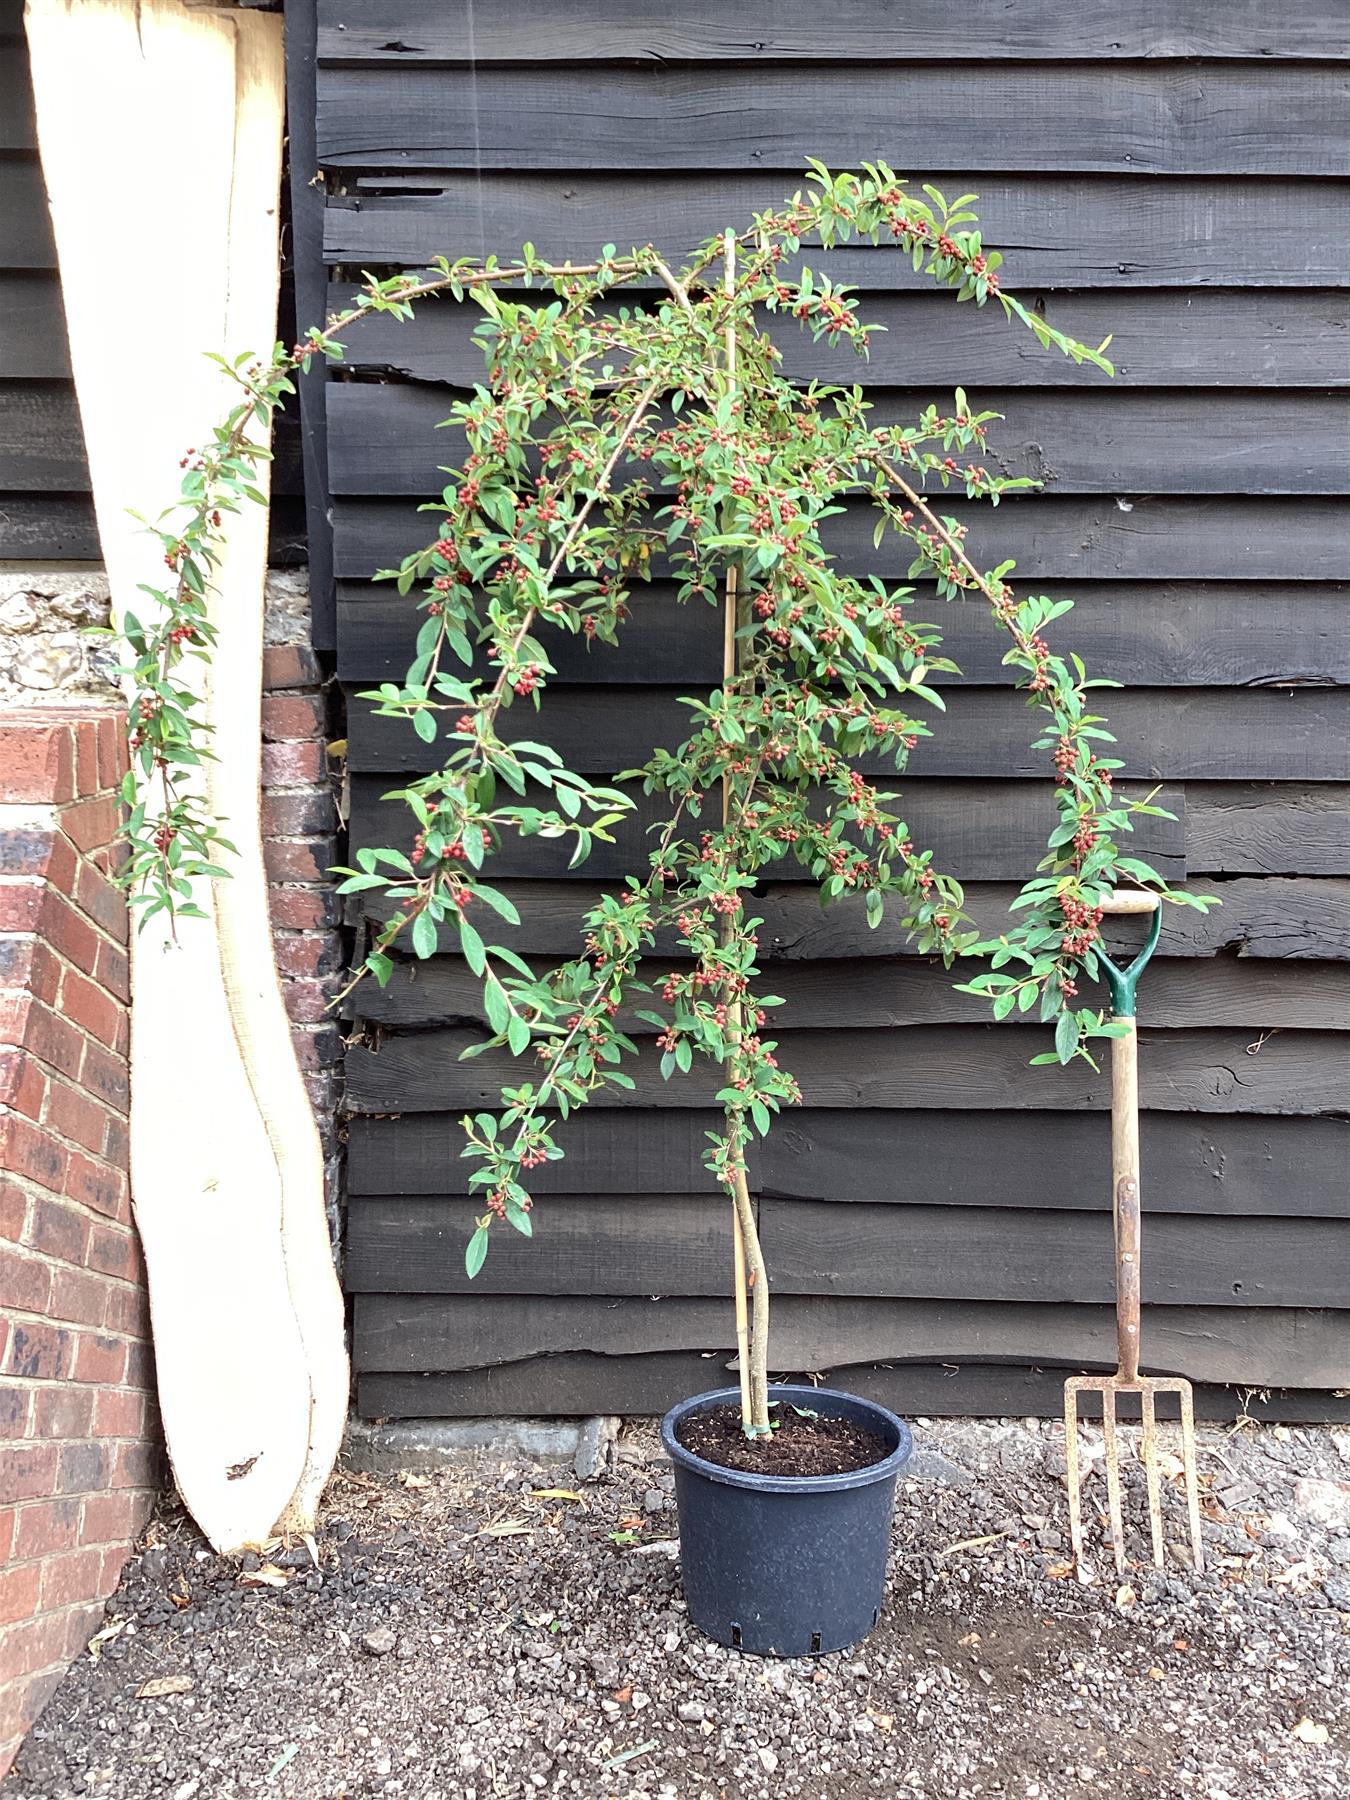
527, 680
1084, 926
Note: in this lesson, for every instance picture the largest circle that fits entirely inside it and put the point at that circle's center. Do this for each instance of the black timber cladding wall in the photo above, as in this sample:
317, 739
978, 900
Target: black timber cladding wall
937, 1217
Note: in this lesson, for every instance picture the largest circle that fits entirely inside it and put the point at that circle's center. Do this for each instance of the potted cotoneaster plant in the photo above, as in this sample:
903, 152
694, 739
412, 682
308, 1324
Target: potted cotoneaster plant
613, 437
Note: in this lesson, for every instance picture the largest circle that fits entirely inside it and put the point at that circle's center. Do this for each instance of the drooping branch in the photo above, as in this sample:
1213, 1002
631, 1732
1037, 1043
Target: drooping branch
589, 421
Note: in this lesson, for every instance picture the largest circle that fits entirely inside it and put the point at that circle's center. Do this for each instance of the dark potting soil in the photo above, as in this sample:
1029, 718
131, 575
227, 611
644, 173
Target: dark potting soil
798, 1445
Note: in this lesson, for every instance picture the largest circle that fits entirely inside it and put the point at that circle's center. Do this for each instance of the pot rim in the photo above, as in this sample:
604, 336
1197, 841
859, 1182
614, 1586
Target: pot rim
889, 1467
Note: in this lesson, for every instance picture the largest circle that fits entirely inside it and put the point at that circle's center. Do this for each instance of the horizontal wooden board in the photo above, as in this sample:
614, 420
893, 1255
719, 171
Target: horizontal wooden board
18, 129
977, 831
1265, 916
1217, 1166
385, 439
1161, 337
649, 1386
882, 994
1258, 917
944, 1067
33, 333
1085, 231
1179, 734
655, 1153
632, 1245
1164, 634
1221, 1167
1251, 828
47, 528
856, 31
25, 225
987, 1254
1169, 119
1303, 1348
41, 441
635, 1386
1051, 537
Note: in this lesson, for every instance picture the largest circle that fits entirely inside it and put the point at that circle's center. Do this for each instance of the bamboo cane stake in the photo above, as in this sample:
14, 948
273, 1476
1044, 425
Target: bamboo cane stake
752, 1336
729, 620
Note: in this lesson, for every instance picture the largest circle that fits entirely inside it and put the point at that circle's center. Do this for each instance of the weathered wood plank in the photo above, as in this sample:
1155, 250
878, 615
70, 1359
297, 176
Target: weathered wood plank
882, 994
655, 1153
1057, 232
25, 224
18, 129
1267, 916
41, 443
1259, 917
1195, 1164
1159, 338
1177, 734
987, 1254
385, 439
856, 31
47, 528
978, 832
1165, 634
33, 333
648, 1385
1221, 1167
1302, 1348
945, 1067
1169, 119
630, 1244
1051, 537
1246, 829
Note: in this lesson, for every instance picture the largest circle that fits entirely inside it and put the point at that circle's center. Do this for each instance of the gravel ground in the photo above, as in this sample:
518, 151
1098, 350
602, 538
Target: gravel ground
468, 1635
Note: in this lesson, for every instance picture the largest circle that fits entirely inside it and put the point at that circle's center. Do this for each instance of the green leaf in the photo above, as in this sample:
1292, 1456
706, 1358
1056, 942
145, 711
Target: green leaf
517, 1034
471, 944
424, 935
475, 1254
1066, 1036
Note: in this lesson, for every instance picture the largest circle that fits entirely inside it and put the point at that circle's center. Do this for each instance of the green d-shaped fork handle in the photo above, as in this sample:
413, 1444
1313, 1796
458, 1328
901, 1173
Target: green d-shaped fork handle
1123, 982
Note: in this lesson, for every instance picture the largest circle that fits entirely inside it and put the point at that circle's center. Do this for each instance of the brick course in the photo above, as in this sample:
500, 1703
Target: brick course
79, 1462
300, 823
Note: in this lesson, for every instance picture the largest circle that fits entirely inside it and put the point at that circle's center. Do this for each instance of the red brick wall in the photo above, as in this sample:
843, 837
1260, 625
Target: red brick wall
79, 1460
300, 822
78, 1457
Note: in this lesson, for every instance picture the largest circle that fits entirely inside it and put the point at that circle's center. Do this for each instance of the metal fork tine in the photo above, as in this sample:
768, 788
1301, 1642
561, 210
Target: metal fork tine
1192, 1475
1072, 1470
1150, 1454
1113, 1477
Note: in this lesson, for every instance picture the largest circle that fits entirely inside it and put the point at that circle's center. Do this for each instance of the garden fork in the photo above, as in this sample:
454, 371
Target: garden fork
1125, 1212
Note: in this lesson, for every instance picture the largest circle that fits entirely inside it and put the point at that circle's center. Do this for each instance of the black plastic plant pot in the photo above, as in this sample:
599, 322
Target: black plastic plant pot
786, 1565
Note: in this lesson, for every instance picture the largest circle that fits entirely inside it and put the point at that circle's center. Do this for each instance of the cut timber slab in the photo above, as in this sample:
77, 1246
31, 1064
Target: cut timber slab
123, 88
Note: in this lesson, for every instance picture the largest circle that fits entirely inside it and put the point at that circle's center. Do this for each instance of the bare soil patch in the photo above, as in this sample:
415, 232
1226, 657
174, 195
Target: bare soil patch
501, 1630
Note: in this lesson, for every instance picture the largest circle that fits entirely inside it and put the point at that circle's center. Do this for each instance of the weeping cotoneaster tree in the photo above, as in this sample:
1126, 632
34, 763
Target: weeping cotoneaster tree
609, 440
